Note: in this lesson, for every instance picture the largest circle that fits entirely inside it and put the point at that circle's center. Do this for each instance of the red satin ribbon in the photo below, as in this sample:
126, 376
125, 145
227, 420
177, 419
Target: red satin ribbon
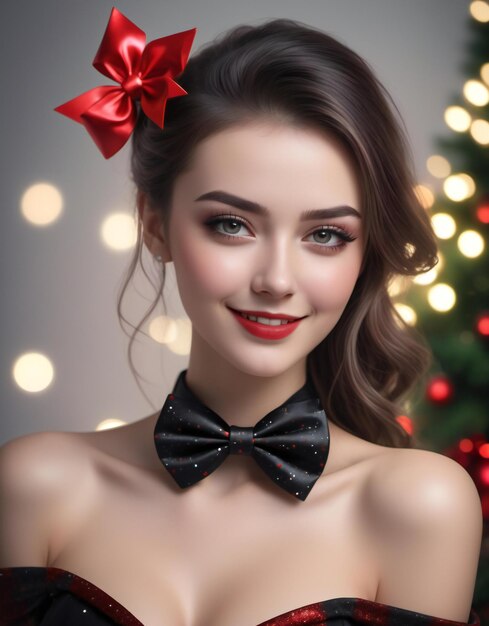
144, 72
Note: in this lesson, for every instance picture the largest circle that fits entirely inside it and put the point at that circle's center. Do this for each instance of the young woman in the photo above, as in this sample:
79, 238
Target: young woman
275, 486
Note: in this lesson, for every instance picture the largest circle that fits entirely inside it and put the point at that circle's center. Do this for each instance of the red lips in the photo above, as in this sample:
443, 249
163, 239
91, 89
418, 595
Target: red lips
265, 331
273, 316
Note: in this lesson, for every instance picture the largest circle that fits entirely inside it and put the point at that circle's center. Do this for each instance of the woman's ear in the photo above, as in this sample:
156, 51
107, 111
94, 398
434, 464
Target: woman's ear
153, 232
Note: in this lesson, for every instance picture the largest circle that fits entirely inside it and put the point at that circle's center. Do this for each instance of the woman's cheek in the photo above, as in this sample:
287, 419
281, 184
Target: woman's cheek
330, 286
209, 269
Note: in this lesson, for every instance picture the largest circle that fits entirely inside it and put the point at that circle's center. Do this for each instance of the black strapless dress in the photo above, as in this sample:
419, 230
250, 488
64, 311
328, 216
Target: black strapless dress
49, 596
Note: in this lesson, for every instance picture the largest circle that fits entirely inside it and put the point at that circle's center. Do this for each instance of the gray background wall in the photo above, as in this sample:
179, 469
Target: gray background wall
59, 283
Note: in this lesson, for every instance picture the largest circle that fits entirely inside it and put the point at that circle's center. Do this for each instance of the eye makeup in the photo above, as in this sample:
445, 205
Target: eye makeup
341, 232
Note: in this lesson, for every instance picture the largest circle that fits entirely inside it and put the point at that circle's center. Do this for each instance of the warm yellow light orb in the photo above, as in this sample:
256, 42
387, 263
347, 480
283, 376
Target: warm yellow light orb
457, 118
442, 297
407, 313
41, 204
459, 187
479, 9
479, 131
470, 243
163, 329
438, 166
119, 231
33, 372
444, 225
476, 93
426, 278
425, 196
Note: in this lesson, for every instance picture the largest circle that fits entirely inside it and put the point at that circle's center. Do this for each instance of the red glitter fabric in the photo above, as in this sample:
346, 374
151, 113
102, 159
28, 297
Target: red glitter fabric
49, 596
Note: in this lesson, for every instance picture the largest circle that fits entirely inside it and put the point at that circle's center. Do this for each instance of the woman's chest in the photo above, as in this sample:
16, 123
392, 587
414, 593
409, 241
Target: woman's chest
187, 560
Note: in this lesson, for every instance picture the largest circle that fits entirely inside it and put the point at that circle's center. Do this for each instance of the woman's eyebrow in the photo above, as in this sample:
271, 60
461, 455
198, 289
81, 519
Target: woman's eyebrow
254, 207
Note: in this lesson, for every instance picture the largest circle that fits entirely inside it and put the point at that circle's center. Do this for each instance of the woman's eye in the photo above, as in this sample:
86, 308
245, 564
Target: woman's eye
326, 234
232, 225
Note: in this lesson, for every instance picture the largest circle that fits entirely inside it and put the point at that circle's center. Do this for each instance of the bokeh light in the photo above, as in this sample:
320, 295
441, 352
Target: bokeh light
163, 329
479, 9
442, 297
426, 278
444, 225
33, 372
459, 187
482, 213
119, 231
470, 243
407, 313
457, 118
41, 204
479, 130
476, 93
438, 166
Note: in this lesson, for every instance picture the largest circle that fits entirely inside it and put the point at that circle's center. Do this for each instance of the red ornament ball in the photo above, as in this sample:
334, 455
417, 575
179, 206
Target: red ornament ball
482, 212
439, 390
482, 324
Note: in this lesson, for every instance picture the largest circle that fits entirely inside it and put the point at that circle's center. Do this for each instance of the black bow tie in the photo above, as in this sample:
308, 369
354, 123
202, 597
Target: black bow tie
290, 444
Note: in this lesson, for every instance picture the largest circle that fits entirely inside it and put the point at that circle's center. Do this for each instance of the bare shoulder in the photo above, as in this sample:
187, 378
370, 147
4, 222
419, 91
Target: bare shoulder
37, 473
412, 486
40, 461
425, 517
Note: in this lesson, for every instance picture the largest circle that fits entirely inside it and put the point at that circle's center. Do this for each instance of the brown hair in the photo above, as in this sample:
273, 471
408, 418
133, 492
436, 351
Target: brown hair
287, 71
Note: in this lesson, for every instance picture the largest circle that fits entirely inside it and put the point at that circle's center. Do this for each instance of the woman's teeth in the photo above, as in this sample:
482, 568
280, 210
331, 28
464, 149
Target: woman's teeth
265, 320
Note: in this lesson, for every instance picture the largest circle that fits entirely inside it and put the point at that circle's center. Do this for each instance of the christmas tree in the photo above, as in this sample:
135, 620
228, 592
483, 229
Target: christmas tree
449, 304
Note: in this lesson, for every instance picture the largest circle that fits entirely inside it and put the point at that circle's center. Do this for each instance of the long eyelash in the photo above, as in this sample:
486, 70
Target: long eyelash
342, 232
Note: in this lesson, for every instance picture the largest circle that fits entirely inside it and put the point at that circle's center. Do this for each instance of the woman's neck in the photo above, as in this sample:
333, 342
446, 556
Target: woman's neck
241, 399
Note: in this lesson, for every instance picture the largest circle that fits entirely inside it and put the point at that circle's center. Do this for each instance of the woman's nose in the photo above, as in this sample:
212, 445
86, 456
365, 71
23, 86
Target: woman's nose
275, 270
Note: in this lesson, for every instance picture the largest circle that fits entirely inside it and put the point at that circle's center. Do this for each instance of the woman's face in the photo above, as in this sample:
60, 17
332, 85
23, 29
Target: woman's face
270, 259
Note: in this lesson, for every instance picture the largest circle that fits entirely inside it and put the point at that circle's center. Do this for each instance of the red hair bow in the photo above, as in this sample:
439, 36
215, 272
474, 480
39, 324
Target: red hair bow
144, 72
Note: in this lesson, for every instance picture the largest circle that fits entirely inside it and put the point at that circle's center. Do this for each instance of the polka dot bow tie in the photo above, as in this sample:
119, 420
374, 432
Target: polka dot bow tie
290, 444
